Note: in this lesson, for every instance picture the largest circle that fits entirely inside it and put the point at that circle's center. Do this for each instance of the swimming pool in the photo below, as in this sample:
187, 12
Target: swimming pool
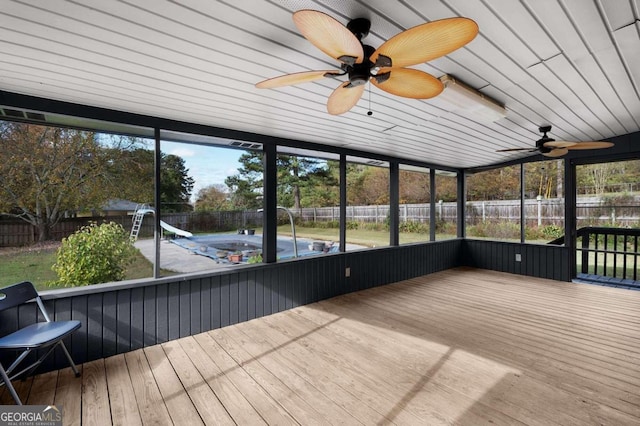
218, 246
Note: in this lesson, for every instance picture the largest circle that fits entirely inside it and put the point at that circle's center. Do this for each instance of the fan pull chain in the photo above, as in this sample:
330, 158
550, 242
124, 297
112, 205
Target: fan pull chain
369, 112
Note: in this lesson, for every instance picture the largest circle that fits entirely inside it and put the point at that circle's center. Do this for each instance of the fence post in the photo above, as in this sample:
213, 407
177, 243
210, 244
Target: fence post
484, 213
613, 215
539, 200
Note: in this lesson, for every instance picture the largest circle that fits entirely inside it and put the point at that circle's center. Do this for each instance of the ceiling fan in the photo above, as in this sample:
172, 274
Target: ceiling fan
552, 148
385, 66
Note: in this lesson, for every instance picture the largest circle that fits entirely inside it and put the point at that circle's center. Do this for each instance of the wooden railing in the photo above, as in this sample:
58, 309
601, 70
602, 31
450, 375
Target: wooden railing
609, 252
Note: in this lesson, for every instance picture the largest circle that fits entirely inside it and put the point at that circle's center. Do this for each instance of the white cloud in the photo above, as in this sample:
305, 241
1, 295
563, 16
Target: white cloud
182, 152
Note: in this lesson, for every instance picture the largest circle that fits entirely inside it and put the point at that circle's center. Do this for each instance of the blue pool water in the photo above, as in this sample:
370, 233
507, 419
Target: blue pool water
214, 246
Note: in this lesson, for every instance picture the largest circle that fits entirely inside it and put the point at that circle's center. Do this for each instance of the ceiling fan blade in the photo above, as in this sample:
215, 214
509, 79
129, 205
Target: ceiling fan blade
515, 149
408, 82
295, 78
329, 35
591, 145
556, 152
344, 98
559, 144
425, 42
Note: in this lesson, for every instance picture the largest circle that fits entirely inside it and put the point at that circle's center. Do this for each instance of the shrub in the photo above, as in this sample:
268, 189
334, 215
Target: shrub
552, 231
353, 224
500, 230
414, 227
94, 254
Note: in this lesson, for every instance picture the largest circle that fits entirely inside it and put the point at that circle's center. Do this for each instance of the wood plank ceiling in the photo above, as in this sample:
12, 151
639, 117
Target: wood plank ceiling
573, 64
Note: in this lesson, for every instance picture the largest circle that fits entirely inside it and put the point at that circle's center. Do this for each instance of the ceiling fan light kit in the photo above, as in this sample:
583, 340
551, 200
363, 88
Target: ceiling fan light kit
383, 67
463, 98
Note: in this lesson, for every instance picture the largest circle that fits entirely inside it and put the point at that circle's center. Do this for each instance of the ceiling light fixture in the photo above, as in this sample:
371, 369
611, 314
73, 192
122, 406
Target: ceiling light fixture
465, 99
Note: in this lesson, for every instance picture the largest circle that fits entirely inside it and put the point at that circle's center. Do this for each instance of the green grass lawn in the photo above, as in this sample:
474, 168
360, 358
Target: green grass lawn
363, 237
35, 266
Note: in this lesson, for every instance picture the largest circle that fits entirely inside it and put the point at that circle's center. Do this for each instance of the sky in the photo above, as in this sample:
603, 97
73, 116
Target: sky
208, 165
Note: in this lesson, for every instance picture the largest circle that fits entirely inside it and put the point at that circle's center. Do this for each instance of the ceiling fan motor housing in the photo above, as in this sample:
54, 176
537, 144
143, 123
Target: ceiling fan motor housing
359, 74
544, 139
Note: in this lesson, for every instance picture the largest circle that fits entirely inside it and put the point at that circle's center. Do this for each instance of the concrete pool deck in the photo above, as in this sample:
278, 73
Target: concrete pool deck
178, 259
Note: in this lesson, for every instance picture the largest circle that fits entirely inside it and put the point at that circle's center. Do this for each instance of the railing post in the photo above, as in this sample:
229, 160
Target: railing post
585, 251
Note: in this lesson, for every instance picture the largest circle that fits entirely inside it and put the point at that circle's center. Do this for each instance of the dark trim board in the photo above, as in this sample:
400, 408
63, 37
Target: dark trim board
537, 260
120, 318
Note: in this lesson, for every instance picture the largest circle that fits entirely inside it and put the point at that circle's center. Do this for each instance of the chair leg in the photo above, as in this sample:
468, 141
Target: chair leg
73, 365
9, 385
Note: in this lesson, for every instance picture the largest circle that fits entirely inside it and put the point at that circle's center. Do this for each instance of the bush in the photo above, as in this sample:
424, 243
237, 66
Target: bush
552, 232
92, 255
500, 230
414, 227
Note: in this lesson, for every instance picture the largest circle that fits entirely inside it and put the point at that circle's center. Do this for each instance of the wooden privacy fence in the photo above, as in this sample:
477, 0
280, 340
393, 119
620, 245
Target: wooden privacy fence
20, 233
590, 211
537, 212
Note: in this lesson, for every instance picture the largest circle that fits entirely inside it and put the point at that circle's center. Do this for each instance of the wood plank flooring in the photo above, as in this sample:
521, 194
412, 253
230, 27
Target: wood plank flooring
462, 346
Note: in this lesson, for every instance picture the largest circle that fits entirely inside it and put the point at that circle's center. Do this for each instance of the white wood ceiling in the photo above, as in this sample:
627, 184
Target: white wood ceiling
574, 64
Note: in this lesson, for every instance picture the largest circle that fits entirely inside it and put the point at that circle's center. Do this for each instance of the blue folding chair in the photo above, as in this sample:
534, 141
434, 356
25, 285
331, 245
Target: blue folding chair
48, 334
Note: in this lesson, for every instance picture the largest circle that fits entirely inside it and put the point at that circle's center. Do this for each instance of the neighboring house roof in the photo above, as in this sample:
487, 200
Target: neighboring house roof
117, 204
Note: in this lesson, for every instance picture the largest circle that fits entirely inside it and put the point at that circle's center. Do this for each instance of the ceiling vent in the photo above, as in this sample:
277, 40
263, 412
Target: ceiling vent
375, 163
245, 145
23, 115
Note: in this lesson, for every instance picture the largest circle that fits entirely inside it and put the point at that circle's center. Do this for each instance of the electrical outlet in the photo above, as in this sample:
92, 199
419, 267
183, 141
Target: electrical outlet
518, 257
347, 272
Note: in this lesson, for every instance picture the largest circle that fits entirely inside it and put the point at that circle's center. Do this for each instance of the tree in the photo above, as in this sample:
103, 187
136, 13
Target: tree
47, 172
246, 186
131, 170
367, 185
414, 187
212, 198
497, 184
301, 175
175, 184
133, 165
322, 188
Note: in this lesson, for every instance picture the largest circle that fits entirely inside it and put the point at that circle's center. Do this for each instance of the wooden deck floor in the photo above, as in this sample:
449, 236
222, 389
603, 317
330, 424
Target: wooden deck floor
461, 346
